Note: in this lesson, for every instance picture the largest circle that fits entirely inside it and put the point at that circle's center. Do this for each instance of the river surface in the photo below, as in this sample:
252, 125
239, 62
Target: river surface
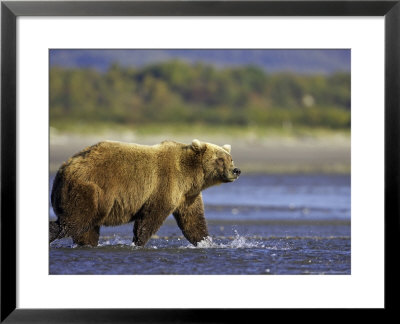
260, 224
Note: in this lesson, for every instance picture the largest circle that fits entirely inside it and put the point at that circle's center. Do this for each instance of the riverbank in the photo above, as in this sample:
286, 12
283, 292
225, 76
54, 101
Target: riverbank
254, 150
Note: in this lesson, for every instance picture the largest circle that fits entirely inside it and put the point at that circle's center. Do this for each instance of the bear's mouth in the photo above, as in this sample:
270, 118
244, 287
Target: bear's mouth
230, 175
231, 178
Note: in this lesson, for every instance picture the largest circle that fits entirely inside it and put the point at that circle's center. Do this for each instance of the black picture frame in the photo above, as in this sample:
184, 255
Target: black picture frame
10, 10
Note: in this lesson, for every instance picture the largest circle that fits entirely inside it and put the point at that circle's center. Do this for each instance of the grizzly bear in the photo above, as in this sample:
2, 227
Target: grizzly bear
114, 183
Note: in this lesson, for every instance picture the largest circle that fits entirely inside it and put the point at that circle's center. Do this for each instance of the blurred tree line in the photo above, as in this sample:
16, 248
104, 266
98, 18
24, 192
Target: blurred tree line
178, 92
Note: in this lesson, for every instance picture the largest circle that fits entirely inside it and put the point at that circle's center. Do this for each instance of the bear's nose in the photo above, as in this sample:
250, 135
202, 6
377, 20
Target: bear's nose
236, 171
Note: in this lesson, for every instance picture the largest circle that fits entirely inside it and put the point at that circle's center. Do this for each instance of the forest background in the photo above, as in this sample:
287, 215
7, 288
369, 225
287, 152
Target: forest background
282, 111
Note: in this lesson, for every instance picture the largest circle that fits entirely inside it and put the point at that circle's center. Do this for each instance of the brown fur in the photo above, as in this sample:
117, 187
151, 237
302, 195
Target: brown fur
113, 183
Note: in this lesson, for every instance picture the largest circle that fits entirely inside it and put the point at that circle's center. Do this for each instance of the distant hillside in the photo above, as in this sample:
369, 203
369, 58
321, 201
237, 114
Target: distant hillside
182, 93
295, 61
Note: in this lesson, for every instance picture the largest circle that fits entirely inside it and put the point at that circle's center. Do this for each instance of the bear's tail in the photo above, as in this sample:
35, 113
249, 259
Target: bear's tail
54, 231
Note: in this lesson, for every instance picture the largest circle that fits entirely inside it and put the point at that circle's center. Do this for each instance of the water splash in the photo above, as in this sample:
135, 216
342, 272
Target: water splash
63, 243
238, 242
241, 242
137, 247
107, 241
114, 240
206, 243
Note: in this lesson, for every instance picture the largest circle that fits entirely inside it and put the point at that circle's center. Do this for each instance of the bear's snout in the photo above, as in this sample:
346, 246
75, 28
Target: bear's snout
236, 171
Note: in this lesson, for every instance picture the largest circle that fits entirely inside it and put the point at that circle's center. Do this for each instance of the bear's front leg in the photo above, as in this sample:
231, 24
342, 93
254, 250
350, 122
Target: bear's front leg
191, 220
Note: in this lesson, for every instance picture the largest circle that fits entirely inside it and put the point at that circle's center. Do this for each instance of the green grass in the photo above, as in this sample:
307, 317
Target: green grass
94, 128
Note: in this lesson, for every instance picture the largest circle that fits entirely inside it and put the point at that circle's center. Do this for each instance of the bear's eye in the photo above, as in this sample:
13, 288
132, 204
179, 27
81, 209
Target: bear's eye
220, 161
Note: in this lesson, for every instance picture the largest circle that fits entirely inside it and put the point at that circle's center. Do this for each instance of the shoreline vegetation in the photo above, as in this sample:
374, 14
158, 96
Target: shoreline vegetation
276, 122
255, 149
176, 92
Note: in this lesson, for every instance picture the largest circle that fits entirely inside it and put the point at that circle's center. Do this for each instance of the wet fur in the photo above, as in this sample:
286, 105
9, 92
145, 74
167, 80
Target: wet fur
114, 183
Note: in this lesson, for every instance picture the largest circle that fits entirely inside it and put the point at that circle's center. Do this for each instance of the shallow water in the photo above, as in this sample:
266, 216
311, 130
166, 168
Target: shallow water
261, 224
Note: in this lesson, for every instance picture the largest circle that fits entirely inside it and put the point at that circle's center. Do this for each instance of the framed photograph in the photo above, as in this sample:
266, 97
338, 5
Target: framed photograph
290, 107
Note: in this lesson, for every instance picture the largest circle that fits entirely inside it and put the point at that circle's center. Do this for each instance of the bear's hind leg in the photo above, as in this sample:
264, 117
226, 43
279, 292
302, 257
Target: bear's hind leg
81, 219
90, 237
147, 225
191, 220
54, 231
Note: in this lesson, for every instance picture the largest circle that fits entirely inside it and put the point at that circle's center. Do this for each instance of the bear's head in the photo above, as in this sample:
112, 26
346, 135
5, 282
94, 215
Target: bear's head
217, 162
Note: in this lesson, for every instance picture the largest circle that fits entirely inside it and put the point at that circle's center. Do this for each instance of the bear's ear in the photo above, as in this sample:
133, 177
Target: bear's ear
227, 148
197, 146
